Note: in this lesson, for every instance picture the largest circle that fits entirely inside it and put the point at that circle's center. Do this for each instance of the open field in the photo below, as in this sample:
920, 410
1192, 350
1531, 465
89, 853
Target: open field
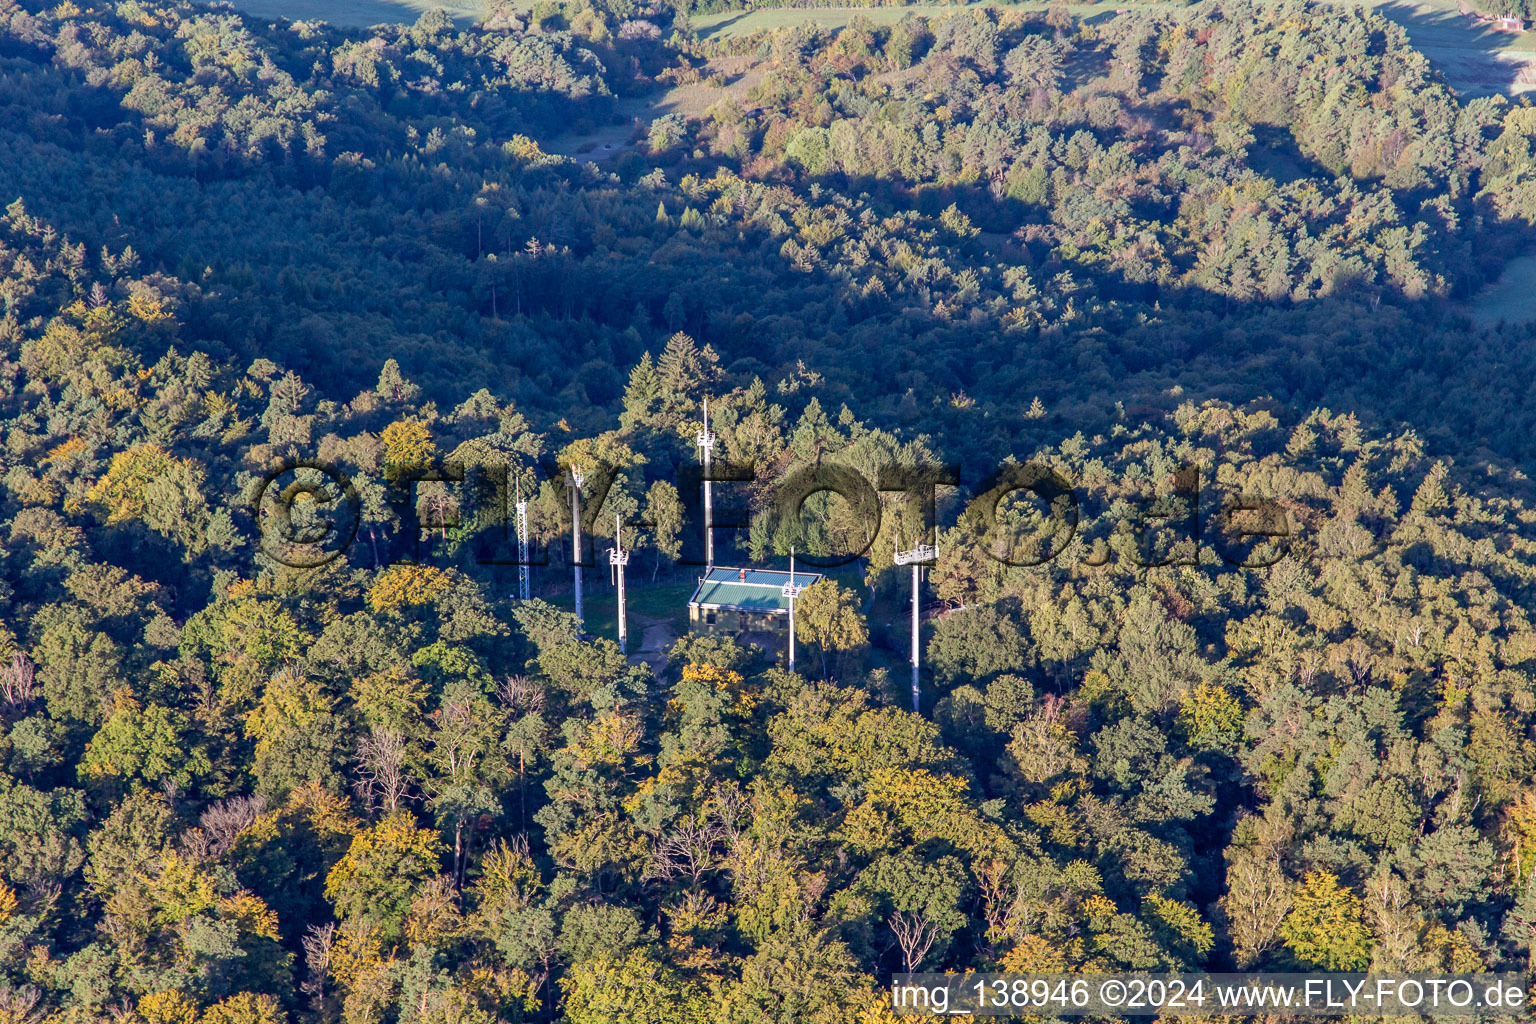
1476, 59
1509, 298
739, 23
665, 601
359, 13
1440, 24
634, 113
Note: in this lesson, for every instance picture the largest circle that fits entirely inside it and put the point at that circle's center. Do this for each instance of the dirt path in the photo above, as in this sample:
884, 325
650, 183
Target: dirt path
656, 638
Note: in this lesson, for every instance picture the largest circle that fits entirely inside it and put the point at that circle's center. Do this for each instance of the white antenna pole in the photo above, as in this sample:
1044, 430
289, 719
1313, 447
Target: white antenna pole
791, 591
577, 479
522, 546
619, 558
916, 691
916, 558
707, 442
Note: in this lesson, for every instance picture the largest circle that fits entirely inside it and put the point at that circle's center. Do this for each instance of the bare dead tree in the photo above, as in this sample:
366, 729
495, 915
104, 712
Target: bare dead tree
520, 698
1310, 662
1356, 658
41, 895
382, 782
18, 682
692, 848
915, 934
20, 1005
195, 845
317, 957
521, 694
122, 1012
730, 806
1256, 903
998, 896
458, 748
439, 514
1396, 924
225, 820
455, 746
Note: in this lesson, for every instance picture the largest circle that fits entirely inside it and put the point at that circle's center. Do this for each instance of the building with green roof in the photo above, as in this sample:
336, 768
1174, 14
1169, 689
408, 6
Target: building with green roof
731, 600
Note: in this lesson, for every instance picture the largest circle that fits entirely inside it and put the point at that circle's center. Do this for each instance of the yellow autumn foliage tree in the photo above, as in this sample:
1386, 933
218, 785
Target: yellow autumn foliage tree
408, 446
1211, 716
401, 585
909, 806
1037, 954
725, 681
66, 449
630, 990
289, 702
168, 1008
1520, 833
124, 490
381, 871
181, 891
1326, 926
252, 914
1183, 921
245, 1008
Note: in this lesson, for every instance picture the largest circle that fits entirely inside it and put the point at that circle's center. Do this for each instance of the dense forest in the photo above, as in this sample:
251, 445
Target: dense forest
1174, 255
